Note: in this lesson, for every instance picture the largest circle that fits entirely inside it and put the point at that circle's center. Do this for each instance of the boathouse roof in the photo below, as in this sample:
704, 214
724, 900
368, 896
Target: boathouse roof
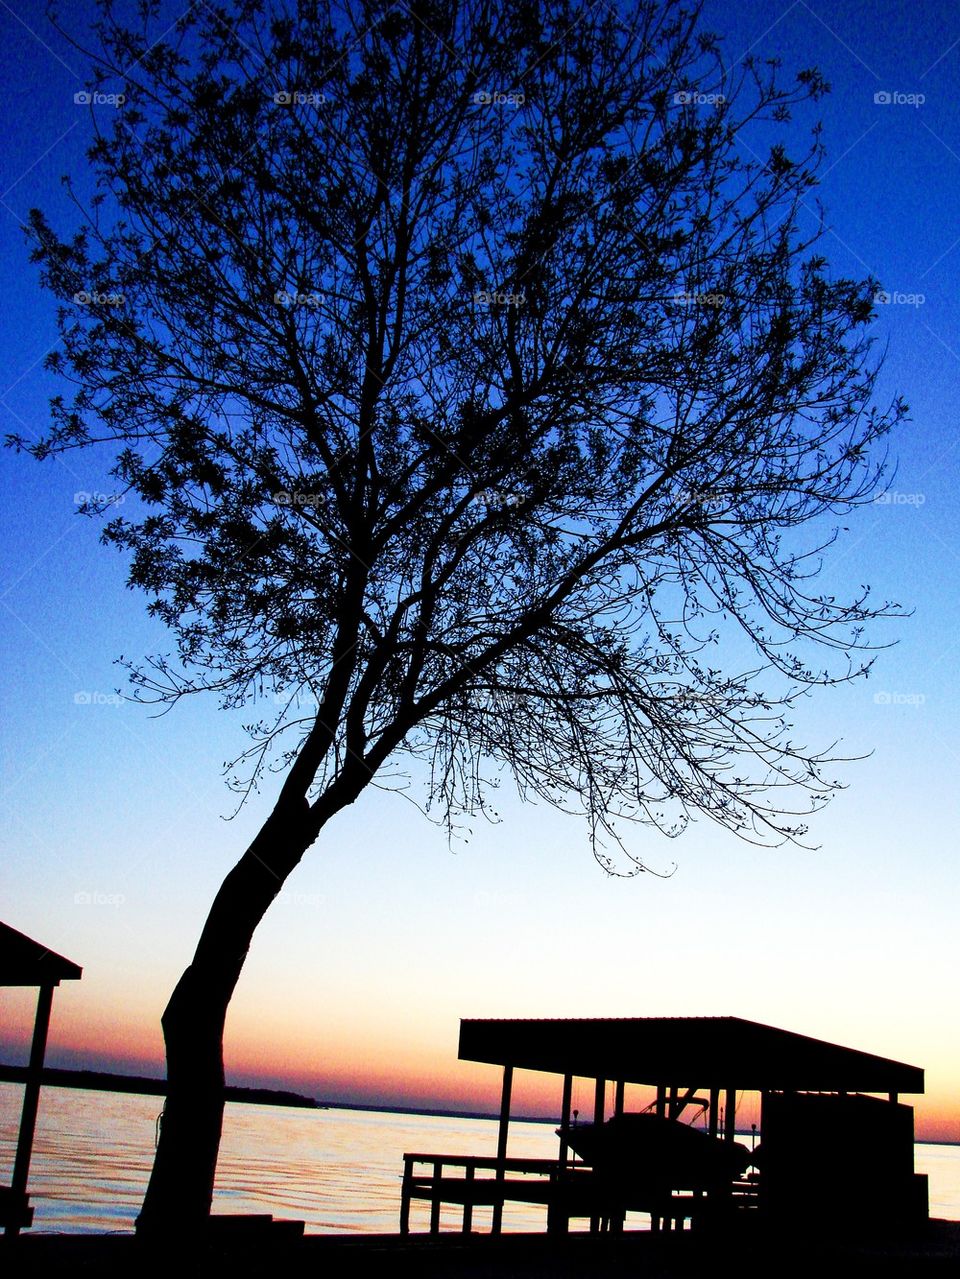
685, 1051
25, 962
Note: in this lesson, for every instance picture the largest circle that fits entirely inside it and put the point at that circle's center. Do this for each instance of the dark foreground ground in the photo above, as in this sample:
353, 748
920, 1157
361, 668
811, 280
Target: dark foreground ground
932, 1253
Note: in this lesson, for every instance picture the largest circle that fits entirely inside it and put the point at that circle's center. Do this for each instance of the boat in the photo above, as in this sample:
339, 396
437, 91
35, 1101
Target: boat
650, 1151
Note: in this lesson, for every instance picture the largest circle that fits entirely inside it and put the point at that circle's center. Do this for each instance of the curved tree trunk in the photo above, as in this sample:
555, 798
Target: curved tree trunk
180, 1191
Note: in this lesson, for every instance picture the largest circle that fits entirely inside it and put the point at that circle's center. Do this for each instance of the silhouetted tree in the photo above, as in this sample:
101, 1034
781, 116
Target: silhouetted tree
479, 396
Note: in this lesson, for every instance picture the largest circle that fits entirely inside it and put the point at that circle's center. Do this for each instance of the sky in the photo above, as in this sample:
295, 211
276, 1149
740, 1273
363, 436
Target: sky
114, 830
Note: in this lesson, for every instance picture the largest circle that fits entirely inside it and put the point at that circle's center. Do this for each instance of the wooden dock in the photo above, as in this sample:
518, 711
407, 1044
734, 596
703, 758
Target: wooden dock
567, 1191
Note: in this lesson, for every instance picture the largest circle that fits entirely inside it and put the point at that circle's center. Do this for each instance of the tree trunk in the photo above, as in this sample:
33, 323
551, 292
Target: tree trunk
180, 1191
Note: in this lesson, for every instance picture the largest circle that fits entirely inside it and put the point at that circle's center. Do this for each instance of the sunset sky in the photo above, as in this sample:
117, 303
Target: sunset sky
113, 821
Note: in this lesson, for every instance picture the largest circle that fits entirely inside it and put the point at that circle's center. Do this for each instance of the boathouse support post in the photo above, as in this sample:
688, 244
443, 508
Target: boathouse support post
502, 1148
730, 1115
565, 1103
469, 1175
656, 1221
616, 1221
435, 1200
598, 1100
714, 1111
405, 1195
31, 1100
558, 1223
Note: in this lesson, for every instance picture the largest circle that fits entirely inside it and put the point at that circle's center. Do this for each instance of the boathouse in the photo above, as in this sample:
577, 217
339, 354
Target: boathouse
25, 962
835, 1141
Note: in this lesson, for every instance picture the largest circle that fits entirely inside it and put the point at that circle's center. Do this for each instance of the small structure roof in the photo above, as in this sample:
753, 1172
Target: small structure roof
25, 962
688, 1052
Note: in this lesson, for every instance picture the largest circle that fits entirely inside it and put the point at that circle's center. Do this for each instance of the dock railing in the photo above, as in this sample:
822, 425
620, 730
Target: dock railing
469, 1189
565, 1189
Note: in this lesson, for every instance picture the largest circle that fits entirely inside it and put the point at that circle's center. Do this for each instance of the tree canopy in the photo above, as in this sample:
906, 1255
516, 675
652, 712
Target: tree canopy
473, 371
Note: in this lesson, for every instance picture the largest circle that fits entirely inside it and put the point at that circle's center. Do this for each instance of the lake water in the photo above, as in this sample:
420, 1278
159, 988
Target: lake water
337, 1170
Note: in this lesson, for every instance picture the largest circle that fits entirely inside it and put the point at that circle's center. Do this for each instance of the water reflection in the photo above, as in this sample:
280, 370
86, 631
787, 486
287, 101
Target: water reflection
337, 1170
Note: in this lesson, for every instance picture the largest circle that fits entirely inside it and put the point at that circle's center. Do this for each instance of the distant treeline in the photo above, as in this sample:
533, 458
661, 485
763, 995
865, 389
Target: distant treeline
105, 1082
432, 1112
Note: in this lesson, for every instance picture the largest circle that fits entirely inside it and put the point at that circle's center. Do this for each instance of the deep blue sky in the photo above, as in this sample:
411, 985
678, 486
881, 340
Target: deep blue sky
384, 938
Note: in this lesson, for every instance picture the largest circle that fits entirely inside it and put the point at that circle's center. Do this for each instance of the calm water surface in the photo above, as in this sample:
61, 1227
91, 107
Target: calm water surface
337, 1170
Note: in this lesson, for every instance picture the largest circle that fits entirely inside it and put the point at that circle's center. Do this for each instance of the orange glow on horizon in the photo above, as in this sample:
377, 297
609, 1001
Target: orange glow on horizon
365, 1063
468, 1086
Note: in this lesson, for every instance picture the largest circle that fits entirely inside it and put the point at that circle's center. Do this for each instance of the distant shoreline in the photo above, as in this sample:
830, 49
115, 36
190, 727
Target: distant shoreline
104, 1081
147, 1085
431, 1113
